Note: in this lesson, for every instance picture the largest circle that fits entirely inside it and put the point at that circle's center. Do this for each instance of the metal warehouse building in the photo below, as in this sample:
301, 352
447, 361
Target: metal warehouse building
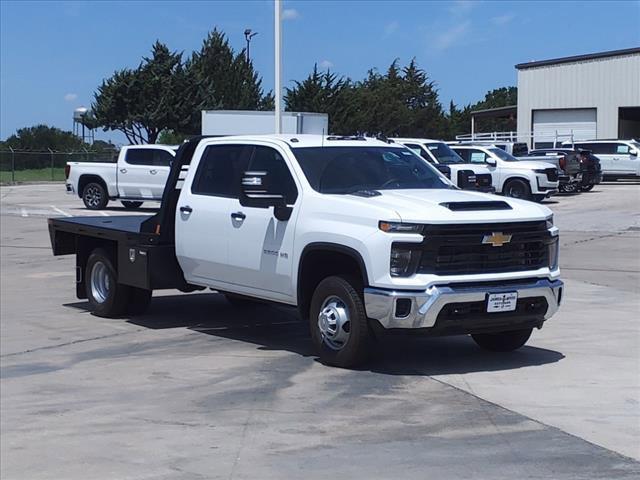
587, 96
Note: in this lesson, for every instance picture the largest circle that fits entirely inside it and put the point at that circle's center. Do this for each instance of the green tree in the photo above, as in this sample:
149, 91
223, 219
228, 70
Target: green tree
144, 101
323, 93
42, 138
171, 137
217, 78
460, 119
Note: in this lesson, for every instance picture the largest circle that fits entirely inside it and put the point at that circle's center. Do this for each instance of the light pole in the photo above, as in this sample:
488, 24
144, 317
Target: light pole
278, 65
248, 35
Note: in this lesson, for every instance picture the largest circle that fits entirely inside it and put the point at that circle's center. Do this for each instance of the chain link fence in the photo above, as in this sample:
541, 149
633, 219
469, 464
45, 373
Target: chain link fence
37, 166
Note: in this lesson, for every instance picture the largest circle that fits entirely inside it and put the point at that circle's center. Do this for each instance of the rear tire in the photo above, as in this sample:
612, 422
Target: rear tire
107, 298
517, 188
502, 341
94, 196
130, 205
338, 322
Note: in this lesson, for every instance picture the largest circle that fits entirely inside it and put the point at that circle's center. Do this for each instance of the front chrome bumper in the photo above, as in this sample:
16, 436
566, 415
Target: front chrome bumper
380, 304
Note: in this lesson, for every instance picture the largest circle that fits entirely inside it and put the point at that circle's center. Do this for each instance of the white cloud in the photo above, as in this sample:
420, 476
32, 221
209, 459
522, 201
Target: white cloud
290, 14
462, 7
70, 97
502, 19
391, 28
450, 37
325, 64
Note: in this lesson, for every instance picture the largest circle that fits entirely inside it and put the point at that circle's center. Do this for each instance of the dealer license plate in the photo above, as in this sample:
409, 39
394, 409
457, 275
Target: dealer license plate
502, 302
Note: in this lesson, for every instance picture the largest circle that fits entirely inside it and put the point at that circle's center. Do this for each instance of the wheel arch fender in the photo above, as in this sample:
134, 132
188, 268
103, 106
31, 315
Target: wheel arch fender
315, 264
87, 178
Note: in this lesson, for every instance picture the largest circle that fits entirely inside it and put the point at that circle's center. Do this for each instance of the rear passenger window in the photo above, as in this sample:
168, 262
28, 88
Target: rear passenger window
140, 156
269, 160
220, 171
465, 154
599, 148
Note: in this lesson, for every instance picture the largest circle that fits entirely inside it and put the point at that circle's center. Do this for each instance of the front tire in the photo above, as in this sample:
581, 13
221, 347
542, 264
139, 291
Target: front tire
517, 189
338, 322
502, 341
94, 196
130, 205
106, 296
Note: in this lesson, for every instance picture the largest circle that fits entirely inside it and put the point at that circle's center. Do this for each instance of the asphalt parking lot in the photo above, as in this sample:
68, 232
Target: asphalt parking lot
197, 389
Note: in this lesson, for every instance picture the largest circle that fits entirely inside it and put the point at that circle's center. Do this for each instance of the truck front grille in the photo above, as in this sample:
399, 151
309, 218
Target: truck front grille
552, 174
459, 249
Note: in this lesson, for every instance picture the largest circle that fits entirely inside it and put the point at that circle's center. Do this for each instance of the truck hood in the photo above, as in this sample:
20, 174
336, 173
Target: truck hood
426, 206
527, 165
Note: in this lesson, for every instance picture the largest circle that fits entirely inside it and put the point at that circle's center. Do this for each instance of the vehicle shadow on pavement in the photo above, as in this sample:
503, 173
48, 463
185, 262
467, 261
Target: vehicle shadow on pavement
279, 328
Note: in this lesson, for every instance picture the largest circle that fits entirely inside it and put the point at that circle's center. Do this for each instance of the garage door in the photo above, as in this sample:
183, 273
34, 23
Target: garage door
549, 124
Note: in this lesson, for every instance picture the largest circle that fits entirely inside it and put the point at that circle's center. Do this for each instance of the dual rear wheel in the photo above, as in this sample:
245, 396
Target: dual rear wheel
106, 296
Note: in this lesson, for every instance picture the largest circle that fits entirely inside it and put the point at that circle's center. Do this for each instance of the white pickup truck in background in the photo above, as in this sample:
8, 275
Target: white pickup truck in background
139, 175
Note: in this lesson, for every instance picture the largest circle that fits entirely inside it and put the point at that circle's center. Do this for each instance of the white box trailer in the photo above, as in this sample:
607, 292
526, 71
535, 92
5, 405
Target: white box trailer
249, 122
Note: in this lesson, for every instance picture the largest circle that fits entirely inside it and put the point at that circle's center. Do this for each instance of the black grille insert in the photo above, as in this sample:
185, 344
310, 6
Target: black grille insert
459, 249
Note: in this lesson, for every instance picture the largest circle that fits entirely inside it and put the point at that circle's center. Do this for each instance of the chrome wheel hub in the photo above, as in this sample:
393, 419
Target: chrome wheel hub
334, 323
93, 196
100, 282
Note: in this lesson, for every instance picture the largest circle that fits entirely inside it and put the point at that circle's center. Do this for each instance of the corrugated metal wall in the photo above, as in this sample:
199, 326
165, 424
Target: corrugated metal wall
604, 84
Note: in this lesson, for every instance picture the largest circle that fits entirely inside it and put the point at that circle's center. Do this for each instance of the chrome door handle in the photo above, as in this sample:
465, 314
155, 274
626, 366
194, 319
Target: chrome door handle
123, 170
153, 172
238, 216
186, 209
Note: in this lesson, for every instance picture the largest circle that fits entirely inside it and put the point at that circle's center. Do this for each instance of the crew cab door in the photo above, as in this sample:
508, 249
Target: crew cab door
475, 156
202, 224
261, 246
143, 172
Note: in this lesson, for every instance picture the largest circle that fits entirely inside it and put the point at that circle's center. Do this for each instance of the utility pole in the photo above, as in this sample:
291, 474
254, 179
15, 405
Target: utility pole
278, 64
248, 35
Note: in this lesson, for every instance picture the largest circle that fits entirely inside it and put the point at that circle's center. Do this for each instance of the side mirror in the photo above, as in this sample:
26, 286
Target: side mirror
490, 161
257, 191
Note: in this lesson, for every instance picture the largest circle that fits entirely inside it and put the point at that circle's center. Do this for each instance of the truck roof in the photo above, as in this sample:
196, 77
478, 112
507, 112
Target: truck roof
417, 140
309, 140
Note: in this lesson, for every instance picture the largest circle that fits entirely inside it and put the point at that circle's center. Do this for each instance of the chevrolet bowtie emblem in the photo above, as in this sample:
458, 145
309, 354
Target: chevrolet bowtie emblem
496, 239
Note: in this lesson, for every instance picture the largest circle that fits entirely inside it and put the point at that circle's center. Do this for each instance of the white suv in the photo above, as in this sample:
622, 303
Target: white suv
618, 158
461, 173
513, 177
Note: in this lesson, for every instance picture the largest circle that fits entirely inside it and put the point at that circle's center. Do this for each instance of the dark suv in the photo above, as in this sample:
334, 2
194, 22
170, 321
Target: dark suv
590, 172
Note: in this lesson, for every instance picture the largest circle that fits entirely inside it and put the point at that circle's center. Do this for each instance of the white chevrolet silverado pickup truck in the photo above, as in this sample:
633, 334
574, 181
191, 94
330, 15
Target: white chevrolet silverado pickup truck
139, 174
362, 236
530, 180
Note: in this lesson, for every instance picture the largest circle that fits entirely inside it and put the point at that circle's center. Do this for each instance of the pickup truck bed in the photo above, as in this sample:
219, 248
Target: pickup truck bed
142, 261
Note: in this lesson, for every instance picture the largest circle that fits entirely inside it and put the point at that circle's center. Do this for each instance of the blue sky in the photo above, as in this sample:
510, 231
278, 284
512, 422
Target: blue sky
55, 54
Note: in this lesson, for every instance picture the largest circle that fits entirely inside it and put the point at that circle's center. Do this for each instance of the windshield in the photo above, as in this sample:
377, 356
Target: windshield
351, 169
443, 153
502, 155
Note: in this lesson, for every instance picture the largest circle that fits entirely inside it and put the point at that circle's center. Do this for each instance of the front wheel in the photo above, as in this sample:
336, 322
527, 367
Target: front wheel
338, 322
502, 341
517, 189
94, 196
130, 205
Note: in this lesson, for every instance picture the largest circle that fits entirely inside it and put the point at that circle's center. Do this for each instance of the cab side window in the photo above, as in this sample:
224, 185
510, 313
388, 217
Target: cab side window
269, 160
220, 171
140, 156
477, 156
162, 158
418, 150
464, 153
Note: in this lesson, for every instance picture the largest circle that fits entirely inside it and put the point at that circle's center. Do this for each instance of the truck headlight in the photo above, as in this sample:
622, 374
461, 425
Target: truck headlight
553, 254
549, 220
398, 227
403, 261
